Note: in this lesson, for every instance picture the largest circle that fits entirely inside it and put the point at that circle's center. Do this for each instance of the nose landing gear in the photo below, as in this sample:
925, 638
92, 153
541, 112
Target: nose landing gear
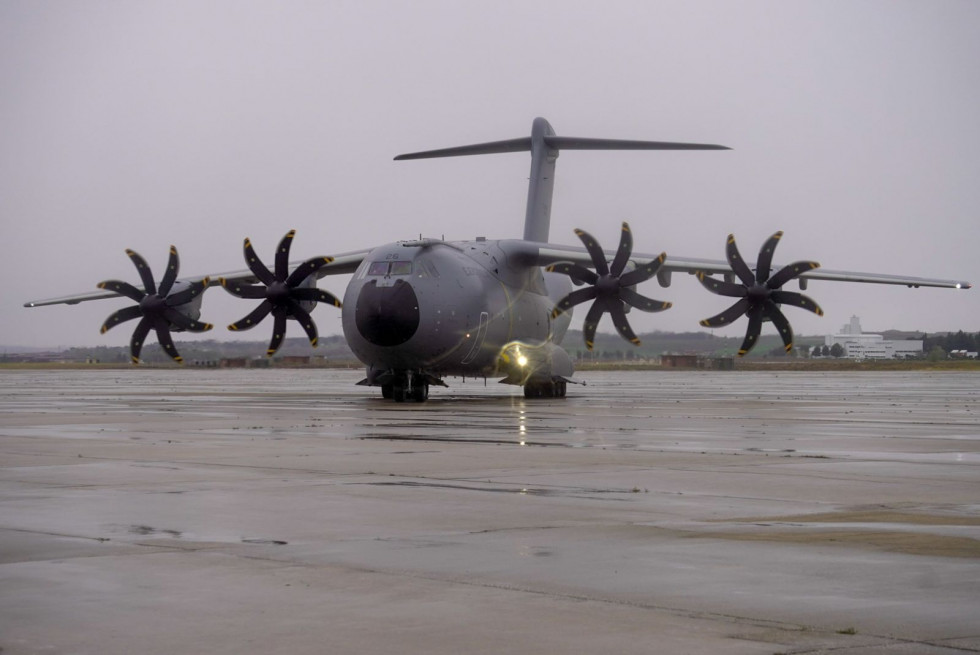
406, 386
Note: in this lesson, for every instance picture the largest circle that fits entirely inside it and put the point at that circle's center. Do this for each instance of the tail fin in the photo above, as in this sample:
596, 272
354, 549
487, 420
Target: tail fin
544, 146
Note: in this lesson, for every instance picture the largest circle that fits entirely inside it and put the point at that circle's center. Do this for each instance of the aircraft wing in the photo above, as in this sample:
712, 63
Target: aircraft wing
341, 264
545, 254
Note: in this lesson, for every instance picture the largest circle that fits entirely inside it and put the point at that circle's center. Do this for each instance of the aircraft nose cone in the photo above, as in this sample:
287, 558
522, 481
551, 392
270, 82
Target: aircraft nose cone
387, 316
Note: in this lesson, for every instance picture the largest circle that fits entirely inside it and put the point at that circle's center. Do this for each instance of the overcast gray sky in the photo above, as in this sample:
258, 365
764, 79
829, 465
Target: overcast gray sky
855, 127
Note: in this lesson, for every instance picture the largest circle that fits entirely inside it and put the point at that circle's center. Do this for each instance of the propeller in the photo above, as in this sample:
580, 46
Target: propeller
283, 294
609, 286
759, 294
155, 306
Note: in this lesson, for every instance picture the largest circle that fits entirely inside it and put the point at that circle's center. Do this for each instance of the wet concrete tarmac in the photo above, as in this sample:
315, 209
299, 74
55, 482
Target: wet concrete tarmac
176, 511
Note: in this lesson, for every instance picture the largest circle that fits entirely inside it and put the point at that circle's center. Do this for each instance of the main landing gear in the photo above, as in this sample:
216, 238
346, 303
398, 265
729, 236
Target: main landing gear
544, 389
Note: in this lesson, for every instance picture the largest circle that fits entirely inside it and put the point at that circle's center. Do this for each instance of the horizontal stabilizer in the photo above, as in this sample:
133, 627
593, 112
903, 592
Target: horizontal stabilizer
522, 144
544, 146
555, 142
582, 143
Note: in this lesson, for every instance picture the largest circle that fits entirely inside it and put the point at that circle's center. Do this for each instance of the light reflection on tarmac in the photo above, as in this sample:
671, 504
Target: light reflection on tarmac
177, 511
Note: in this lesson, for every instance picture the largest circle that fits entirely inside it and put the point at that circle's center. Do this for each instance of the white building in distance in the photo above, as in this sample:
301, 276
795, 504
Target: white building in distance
858, 345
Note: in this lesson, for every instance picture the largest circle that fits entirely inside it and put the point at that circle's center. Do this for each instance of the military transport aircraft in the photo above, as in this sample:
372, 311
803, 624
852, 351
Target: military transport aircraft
417, 311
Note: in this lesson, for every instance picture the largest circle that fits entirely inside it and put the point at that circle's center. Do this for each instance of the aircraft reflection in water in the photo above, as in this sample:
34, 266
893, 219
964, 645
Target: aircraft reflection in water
415, 312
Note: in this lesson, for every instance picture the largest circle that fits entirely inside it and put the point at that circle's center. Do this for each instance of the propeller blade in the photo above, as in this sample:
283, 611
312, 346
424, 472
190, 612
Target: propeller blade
574, 271
641, 302
642, 273
796, 300
782, 325
787, 273
316, 295
624, 252
595, 252
591, 324
249, 291
186, 295
253, 318
764, 265
574, 298
282, 255
752, 333
278, 331
305, 321
121, 316
138, 338
728, 316
256, 266
183, 322
622, 325
306, 269
173, 267
166, 341
721, 287
738, 265
148, 284
123, 289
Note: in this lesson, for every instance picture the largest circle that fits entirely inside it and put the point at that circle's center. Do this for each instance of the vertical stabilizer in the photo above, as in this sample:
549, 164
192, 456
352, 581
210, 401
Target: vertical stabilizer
541, 183
544, 146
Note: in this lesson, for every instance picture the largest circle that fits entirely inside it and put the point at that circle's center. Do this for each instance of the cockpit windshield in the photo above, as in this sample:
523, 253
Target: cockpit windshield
379, 269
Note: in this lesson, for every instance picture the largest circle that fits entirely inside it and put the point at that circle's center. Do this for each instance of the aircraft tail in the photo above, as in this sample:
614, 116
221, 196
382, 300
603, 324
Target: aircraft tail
544, 146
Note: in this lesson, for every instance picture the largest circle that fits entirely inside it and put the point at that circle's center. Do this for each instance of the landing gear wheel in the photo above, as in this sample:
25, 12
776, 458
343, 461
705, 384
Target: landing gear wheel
419, 391
545, 389
406, 386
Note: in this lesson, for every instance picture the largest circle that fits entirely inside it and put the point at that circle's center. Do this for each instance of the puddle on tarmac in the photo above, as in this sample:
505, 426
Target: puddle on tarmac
568, 492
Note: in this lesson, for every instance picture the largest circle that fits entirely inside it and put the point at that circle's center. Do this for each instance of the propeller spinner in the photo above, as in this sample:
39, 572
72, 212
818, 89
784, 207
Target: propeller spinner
609, 286
759, 294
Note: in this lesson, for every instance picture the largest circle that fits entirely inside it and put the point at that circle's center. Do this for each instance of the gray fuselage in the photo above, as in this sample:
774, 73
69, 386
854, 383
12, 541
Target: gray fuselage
450, 308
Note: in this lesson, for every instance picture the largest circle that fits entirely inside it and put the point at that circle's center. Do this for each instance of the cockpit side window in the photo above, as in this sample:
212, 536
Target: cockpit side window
378, 268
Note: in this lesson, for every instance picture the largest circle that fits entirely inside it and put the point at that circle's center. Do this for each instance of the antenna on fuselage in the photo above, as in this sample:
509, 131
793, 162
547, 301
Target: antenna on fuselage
544, 146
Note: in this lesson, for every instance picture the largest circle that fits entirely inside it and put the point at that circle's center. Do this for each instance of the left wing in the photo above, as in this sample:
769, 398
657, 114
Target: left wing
545, 254
611, 278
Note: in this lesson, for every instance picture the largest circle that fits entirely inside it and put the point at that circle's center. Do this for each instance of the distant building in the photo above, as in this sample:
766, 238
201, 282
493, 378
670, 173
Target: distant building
858, 345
